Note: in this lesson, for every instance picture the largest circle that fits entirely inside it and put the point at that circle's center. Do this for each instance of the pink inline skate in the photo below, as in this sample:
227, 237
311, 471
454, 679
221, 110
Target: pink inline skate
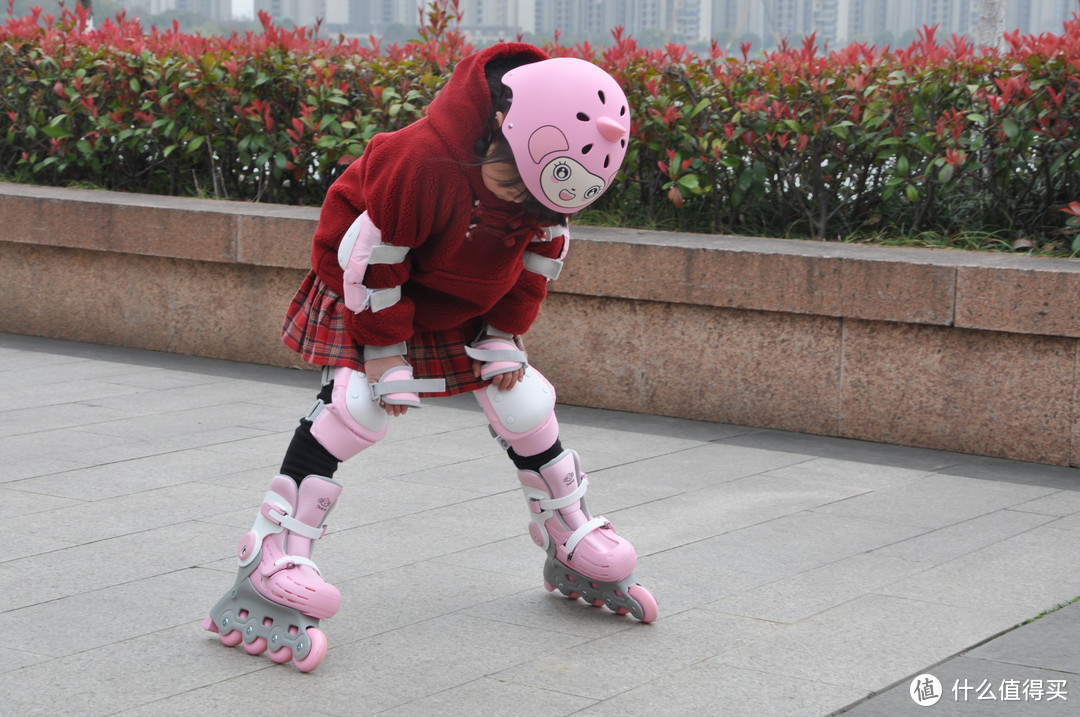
279, 595
586, 559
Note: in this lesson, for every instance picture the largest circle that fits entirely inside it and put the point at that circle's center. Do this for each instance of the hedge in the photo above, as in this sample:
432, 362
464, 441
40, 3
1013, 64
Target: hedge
937, 138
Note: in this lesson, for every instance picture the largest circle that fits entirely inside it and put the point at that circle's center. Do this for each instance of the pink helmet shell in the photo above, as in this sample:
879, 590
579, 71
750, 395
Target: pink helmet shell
568, 127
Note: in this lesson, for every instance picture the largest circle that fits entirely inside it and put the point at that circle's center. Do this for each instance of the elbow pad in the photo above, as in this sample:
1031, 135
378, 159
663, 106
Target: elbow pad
361, 247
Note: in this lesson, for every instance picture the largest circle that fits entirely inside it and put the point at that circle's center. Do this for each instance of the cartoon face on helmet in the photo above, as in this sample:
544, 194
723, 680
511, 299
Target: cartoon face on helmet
568, 127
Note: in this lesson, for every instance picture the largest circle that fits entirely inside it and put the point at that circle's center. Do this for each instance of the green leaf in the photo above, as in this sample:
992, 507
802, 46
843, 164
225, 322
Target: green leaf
56, 132
700, 106
912, 193
689, 182
1012, 129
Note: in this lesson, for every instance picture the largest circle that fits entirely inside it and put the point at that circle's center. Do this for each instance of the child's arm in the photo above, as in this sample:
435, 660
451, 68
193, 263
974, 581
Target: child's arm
517, 310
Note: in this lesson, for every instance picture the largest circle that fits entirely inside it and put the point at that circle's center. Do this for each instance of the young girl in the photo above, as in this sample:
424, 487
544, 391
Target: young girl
431, 257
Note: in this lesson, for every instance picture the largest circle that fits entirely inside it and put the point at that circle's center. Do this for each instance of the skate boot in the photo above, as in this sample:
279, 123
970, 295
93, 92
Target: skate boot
279, 595
586, 559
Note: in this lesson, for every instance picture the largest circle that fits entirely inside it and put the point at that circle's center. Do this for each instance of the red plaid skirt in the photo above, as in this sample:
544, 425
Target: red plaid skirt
315, 328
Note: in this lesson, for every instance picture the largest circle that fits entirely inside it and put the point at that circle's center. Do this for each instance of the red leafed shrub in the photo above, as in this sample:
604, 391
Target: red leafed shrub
271, 116
937, 138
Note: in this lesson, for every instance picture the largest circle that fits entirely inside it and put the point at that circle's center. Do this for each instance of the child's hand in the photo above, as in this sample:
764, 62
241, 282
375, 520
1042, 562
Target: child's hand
375, 368
502, 381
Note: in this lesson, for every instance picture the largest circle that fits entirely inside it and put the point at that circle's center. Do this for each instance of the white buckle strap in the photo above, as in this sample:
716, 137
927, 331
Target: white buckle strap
295, 526
548, 268
549, 504
379, 299
387, 254
577, 535
495, 355
407, 385
378, 352
555, 231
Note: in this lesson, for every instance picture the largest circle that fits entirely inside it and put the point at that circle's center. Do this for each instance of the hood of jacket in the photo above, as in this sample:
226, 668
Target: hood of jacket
460, 111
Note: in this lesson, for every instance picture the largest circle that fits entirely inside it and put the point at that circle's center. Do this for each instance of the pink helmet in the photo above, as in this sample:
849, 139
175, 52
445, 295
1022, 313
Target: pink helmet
567, 126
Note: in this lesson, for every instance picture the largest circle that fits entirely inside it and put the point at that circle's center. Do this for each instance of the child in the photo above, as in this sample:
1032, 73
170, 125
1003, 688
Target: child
432, 255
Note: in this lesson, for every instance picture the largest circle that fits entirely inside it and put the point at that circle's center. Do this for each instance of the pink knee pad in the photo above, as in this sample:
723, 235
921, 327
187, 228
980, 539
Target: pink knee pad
353, 420
524, 416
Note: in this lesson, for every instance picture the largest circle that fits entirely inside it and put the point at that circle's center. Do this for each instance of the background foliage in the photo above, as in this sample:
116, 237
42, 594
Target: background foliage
939, 142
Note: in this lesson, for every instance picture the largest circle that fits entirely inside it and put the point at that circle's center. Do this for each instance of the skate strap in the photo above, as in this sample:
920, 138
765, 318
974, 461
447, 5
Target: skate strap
539, 505
577, 535
290, 561
291, 524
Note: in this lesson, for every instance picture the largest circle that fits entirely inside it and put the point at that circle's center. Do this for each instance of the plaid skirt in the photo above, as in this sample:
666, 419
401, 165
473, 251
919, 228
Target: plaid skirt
315, 328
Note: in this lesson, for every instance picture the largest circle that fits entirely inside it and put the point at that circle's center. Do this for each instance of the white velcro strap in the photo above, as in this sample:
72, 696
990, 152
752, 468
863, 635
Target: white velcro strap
549, 268
493, 355
556, 231
584, 530
379, 299
378, 352
387, 254
490, 331
407, 385
566, 500
295, 526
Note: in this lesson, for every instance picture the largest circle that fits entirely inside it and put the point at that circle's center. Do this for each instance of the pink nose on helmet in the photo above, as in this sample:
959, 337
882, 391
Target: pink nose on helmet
611, 130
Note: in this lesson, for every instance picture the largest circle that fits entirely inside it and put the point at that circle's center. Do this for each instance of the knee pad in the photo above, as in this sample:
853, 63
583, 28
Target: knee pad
352, 421
524, 417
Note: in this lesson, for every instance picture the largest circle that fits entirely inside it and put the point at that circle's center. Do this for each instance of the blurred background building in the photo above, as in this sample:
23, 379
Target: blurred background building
651, 22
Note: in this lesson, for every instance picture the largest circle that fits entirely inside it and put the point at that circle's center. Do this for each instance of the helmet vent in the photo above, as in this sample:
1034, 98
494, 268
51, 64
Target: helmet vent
583, 117
607, 161
600, 94
586, 149
622, 110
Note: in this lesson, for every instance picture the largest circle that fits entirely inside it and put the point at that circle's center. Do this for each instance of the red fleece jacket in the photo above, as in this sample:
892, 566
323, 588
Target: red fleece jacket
420, 189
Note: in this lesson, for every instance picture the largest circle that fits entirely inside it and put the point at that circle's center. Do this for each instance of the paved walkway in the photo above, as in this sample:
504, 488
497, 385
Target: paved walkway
796, 575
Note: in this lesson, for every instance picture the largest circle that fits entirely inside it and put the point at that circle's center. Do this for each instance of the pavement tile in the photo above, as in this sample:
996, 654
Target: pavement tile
936, 500
795, 574
867, 641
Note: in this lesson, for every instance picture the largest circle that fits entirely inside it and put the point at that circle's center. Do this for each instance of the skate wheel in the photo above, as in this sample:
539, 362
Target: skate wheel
573, 596
549, 587
231, 639
318, 651
649, 608
209, 624
280, 656
256, 646
598, 603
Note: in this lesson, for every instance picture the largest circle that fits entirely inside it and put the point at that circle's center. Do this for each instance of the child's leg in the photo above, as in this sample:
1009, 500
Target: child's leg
586, 558
279, 595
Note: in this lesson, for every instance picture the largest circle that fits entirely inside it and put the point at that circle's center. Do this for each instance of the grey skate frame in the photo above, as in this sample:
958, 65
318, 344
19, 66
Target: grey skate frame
616, 596
243, 597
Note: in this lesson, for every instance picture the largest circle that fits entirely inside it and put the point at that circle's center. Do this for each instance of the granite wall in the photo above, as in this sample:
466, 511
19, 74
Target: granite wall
962, 351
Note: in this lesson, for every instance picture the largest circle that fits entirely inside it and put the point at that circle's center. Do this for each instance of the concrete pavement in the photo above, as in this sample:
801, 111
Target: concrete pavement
795, 574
